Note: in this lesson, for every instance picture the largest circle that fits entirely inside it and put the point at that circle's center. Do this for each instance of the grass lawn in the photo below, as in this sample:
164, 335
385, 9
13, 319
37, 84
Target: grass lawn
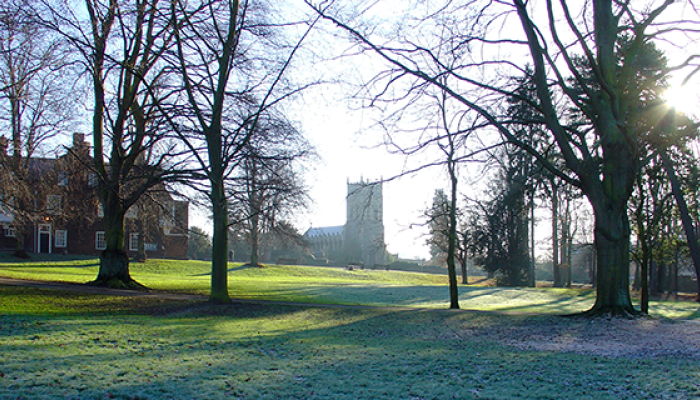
76, 346
331, 286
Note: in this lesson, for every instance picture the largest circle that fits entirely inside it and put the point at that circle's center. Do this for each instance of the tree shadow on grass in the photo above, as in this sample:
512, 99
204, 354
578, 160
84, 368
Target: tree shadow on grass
241, 267
53, 264
326, 353
8, 258
422, 296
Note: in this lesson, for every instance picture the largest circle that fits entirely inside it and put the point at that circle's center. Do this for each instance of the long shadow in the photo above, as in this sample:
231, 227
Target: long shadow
46, 263
233, 269
74, 304
361, 355
418, 296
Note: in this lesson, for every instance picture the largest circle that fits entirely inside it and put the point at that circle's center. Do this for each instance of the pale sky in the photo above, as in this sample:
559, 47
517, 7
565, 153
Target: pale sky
342, 132
344, 139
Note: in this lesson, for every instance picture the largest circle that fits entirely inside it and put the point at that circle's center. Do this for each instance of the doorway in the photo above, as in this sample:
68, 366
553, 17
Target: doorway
44, 239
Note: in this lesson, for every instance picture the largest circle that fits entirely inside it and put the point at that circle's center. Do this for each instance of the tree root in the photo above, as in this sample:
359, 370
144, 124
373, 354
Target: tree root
610, 312
253, 265
116, 283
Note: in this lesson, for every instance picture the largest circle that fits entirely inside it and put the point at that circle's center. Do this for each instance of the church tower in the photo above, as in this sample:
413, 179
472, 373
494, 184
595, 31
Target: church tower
364, 229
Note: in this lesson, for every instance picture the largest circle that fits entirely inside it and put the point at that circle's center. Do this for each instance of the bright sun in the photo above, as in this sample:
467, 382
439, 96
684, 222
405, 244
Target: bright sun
683, 98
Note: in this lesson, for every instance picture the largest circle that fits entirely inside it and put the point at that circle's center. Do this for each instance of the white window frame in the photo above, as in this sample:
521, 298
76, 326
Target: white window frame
44, 229
10, 231
133, 242
100, 240
60, 238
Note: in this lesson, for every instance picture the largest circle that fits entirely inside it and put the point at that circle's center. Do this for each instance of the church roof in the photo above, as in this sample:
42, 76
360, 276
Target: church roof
324, 231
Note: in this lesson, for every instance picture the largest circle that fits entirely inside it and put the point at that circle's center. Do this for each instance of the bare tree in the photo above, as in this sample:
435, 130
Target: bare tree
231, 73
443, 130
689, 227
268, 187
444, 240
121, 44
650, 211
34, 88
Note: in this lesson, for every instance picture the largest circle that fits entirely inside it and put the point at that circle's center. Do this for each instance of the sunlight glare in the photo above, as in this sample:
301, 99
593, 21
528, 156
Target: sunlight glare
682, 98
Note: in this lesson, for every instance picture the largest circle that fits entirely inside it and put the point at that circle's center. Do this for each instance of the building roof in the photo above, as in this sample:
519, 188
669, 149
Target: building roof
324, 231
6, 216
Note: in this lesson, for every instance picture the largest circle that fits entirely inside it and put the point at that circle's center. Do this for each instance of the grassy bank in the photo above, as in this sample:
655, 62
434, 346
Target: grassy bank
330, 286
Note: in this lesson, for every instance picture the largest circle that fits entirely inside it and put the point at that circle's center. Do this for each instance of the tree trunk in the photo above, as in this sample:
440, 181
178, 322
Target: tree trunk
593, 268
451, 270
660, 280
568, 239
219, 253
452, 235
674, 278
533, 274
565, 268
693, 244
20, 232
463, 262
612, 240
556, 278
254, 239
114, 261
569, 260
644, 282
643, 264
636, 282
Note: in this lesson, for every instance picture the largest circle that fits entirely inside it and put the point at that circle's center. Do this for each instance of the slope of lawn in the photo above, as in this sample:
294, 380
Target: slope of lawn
330, 286
75, 346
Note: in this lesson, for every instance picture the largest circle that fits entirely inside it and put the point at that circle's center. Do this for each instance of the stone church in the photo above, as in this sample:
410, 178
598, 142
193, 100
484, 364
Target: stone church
361, 239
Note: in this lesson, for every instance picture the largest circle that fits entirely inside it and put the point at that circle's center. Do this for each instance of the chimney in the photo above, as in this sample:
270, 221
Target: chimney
78, 140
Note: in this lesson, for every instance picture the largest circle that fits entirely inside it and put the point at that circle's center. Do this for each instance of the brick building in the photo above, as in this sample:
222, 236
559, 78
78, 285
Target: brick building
57, 210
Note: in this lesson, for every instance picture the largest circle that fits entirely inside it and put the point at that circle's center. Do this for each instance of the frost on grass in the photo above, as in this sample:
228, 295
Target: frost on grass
608, 337
200, 351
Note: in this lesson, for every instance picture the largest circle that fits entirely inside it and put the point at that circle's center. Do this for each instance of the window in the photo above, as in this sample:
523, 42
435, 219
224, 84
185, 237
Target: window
92, 179
168, 218
62, 178
10, 231
132, 213
173, 210
100, 210
134, 242
150, 246
54, 204
100, 242
61, 238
